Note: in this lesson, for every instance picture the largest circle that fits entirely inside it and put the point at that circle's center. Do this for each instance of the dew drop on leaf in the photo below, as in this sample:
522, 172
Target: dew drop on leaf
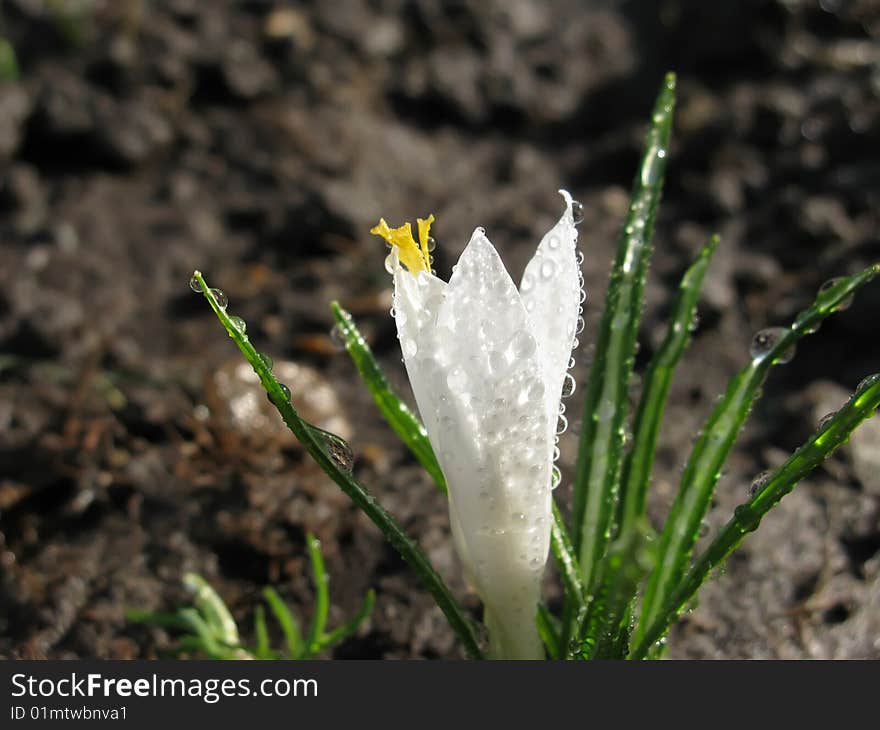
758, 483
195, 285
338, 450
845, 303
337, 337
766, 340
826, 419
220, 297
238, 323
267, 361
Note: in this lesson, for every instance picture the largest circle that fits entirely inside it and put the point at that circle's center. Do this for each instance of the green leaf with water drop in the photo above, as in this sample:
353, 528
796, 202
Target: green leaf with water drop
398, 415
715, 441
606, 404
833, 432
317, 447
626, 563
566, 563
638, 462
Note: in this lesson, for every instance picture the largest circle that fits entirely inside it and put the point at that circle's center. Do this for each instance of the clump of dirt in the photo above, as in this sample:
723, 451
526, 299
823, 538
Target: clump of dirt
259, 142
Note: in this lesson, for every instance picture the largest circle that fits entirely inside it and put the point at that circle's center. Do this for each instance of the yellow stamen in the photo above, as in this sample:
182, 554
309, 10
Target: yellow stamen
414, 256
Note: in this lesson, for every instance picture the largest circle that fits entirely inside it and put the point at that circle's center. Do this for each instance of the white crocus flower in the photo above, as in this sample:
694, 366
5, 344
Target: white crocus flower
488, 363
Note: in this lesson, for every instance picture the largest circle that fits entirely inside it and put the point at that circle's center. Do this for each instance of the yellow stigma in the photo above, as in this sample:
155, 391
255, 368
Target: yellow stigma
415, 256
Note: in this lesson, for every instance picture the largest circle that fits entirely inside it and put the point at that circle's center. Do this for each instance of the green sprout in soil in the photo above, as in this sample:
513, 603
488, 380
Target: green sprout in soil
207, 627
488, 365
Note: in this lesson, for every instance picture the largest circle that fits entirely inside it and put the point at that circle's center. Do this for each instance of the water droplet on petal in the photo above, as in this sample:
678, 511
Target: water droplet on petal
555, 477
238, 323
568, 385
553, 242
409, 347
431, 244
766, 340
577, 212
457, 380
561, 425
548, 269
579, 327
527, 283
220, 297
389, 263
195, 285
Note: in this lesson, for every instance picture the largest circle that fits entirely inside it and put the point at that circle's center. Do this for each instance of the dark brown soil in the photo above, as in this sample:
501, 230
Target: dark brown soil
259, 141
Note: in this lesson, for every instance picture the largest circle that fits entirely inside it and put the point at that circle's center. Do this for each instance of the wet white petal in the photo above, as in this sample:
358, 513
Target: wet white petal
551, 291
487, 376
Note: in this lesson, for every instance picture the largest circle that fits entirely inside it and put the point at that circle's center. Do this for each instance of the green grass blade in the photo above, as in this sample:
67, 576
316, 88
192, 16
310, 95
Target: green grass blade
261, 632
162, 619
402, 420
212, 608
575, 606
322, 596
863, 404
714, 444
211, 643
309, 437
627, 562
287, 621
606, 401
549, 631
351, 626
637, 464
566, 561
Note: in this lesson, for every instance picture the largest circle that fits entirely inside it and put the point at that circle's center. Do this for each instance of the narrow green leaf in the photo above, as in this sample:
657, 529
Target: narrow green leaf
211, 606
322, 596
205, 632
714, 443
402, 420
638, 462
347, 629
8, 62
309, 437
261, 651
566, 561
548, 630
627, 562
162, 619
287, 621
863, 404
606, 400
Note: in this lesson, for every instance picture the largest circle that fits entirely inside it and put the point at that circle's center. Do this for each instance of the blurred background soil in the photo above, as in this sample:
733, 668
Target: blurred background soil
259, 141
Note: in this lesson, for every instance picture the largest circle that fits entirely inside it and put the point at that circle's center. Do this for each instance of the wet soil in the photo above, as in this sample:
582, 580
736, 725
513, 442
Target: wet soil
259, 141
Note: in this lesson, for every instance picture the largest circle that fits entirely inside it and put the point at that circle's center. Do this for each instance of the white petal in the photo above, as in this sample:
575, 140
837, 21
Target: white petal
551, 291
